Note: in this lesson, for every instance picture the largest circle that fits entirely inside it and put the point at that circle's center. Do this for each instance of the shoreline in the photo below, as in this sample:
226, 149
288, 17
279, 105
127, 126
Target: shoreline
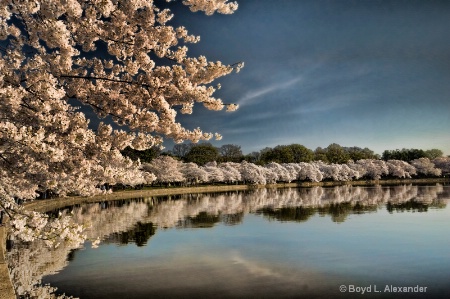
56, 203
6, 287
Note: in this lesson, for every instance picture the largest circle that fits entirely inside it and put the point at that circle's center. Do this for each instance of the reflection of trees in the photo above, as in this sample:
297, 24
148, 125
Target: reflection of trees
203, 219
136, 221
298, 214
337, 211
106, 218
28, 263
139, 234
340, 211
339, 202
410, 206
232, 219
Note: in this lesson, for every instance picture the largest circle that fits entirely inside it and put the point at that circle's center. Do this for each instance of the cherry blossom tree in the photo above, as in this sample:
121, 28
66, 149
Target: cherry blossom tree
310, 171
426, 167
166, 169
357, 168
347, 173
293, 169
253, 173
270, 175
337, 172
193, 173
215, 174
330, 171
401, 169
282, 174
231, 171
443, 163
372, 169
50, 57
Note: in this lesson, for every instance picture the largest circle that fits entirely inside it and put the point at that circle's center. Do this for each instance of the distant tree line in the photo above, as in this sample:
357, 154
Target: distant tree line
203, 153
411, 154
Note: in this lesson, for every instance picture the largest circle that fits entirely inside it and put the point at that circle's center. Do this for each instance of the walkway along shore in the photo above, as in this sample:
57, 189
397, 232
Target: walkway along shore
6, 288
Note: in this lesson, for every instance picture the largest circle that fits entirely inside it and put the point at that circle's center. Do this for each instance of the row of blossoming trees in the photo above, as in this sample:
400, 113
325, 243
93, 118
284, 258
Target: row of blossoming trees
169, 170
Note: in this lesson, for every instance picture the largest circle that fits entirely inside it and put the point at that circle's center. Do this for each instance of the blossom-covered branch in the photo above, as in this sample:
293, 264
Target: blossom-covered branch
122, 58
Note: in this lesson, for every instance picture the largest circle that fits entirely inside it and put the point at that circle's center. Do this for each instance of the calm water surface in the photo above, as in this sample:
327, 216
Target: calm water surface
284, 243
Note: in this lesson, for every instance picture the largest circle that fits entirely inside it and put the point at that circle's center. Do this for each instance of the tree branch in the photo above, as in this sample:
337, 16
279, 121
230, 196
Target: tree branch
6, 160
98, 78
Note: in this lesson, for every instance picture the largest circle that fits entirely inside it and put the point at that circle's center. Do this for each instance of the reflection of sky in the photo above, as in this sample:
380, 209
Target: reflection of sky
365, 73
261, 257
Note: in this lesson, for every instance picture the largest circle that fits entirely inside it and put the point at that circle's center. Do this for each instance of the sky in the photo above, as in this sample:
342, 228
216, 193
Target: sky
360, 73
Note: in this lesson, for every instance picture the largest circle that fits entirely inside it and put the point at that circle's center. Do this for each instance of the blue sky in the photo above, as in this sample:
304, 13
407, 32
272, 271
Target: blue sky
361, 73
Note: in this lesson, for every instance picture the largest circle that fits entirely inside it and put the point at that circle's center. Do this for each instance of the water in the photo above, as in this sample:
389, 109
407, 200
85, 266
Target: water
266, 243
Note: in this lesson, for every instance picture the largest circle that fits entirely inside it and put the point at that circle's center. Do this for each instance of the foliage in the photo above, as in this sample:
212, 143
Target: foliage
202, 154
180, 150
336, 154
320, 154
301, 153
357, 153
293, 153
144, 155
411, 154
433, 153
253, 157
403, 154
230, 153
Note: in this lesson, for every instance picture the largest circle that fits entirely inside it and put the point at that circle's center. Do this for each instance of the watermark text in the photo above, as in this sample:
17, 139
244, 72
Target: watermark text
388, 288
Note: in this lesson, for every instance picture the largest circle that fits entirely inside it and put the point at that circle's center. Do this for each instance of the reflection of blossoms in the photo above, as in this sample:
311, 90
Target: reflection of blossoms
29, 263
103, 219
429, 194
29, 225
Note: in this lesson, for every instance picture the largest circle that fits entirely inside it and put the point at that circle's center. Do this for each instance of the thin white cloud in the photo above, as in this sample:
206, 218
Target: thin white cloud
265, 90
253, 267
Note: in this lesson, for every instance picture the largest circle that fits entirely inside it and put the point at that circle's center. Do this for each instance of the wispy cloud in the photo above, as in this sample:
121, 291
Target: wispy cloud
267, 89
253, 267
331, 103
